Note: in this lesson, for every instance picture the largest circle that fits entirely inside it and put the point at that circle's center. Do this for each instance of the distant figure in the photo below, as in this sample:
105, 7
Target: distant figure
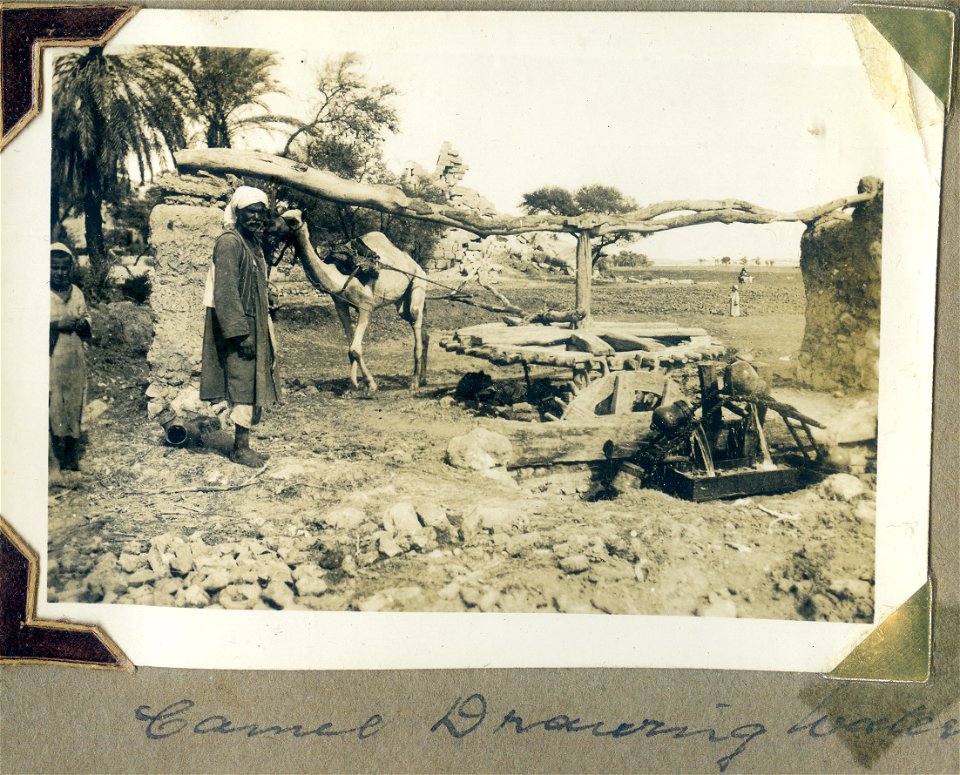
69, 326
744, 276
734, 302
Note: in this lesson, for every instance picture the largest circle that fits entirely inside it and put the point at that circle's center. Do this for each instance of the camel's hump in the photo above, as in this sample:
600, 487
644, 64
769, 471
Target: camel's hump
380, 244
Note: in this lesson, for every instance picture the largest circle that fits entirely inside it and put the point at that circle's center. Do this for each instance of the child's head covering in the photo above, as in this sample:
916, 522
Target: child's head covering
59, 247
242, 198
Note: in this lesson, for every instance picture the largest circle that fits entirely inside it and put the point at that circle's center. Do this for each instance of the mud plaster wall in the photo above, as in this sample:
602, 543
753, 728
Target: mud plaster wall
183, 229
840, 259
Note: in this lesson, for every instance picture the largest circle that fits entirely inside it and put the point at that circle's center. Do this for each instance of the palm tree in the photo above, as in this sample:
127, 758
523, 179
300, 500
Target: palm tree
223, 89
105, 119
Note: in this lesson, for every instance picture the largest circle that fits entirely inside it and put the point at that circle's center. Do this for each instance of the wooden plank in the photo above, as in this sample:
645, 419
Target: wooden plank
586, 342
650, 330
518, 336
621, 400
554, 357
622, 342
572, 441
483, 329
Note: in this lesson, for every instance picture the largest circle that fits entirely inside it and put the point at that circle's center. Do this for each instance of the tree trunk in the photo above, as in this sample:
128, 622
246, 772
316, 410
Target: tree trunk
217, 134
93, 226
584, 277
55, 226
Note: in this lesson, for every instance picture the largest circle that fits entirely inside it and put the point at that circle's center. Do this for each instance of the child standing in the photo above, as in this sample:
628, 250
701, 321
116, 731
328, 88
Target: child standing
69, 326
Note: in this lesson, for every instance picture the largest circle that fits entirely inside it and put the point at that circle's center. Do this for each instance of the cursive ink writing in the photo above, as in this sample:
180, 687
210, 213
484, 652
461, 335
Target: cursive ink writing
472, 715
172, 720
466, 716
911, 722
473, 710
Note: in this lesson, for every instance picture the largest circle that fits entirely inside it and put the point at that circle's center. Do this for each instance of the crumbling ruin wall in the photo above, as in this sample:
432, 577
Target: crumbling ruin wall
840, 259
183, 229
455, 247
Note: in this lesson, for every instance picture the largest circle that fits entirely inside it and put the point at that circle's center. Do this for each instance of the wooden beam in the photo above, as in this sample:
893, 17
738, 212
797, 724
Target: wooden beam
572, 441
390, 199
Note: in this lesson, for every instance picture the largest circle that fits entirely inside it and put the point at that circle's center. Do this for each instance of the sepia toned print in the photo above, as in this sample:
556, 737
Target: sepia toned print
627, 366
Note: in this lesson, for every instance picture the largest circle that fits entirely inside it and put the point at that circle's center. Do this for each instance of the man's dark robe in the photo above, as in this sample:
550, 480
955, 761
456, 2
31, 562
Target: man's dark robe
239, 309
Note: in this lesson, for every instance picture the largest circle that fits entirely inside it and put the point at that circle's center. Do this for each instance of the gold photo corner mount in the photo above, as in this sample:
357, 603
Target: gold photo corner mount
898, 649
923, 36
25, 30
27, 640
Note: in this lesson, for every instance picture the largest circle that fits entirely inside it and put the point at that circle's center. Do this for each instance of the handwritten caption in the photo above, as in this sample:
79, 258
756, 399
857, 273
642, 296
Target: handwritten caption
472, 716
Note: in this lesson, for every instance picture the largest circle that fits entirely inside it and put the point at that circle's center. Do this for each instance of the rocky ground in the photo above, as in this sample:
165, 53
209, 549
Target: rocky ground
358, 510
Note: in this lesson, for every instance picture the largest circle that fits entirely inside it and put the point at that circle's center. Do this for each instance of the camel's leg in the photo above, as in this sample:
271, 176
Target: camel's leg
411, 307
356, 352
343, 312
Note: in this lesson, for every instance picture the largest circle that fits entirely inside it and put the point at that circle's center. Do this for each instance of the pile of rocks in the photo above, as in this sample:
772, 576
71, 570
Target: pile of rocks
276, 569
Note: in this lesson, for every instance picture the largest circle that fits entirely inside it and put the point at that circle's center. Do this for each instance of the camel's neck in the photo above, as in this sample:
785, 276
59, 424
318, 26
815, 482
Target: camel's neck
318, 272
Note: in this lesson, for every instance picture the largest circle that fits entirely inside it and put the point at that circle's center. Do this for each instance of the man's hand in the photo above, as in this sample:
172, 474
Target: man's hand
246, 348
66, 324
83, 329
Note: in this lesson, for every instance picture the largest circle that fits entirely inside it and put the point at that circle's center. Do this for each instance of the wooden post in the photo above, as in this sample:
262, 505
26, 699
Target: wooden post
584, 276
710, 411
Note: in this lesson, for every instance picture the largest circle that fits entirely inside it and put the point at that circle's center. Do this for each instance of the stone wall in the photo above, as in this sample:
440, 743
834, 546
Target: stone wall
455, 247
840, 258
183, 229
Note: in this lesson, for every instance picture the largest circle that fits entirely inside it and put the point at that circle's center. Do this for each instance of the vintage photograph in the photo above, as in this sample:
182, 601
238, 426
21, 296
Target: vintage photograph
493, 313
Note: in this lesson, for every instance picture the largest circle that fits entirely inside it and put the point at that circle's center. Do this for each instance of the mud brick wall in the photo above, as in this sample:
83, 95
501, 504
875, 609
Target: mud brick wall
840, 259
183, 229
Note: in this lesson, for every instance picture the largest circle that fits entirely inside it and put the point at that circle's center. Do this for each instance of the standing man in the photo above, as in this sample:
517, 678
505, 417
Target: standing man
734, 302
239, 360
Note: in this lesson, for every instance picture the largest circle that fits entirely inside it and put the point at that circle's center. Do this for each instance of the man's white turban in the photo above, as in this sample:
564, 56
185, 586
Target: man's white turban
242, 198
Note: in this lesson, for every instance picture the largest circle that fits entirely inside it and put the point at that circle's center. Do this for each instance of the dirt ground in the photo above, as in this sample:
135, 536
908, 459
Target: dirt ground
358, 510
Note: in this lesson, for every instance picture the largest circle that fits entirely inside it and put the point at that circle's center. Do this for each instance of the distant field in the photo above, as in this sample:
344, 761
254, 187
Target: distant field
702, 274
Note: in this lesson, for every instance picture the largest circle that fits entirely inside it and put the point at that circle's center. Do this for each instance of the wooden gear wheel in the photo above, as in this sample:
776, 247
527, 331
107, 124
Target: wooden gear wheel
588, 396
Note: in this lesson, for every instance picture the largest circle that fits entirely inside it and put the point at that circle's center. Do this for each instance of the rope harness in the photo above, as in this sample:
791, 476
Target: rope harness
360, 259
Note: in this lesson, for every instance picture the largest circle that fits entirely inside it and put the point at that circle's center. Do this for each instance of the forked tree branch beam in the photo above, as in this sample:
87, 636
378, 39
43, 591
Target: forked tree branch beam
389, 199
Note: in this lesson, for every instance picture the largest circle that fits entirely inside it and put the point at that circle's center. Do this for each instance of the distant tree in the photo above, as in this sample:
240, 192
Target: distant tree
770, 262
594, 198
756, 261
347, 110
701, 261
743, 260
550, 199
221, 89
628, 258
349, 122
725, 260
105, 116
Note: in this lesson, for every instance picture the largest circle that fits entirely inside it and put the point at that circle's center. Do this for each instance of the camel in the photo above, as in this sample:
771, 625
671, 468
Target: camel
401, 281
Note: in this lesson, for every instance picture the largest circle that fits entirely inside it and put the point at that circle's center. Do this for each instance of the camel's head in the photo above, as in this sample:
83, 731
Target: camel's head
293, 219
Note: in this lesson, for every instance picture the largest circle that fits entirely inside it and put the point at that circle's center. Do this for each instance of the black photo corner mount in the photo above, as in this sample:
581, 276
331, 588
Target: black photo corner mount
25, 639
25, 30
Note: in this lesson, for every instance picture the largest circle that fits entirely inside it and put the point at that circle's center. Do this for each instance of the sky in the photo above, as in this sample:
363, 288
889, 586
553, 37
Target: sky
775, 109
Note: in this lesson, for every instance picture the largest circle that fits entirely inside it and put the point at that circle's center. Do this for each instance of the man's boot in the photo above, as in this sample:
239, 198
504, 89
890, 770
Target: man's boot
56, 449
242, 453
71, 454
